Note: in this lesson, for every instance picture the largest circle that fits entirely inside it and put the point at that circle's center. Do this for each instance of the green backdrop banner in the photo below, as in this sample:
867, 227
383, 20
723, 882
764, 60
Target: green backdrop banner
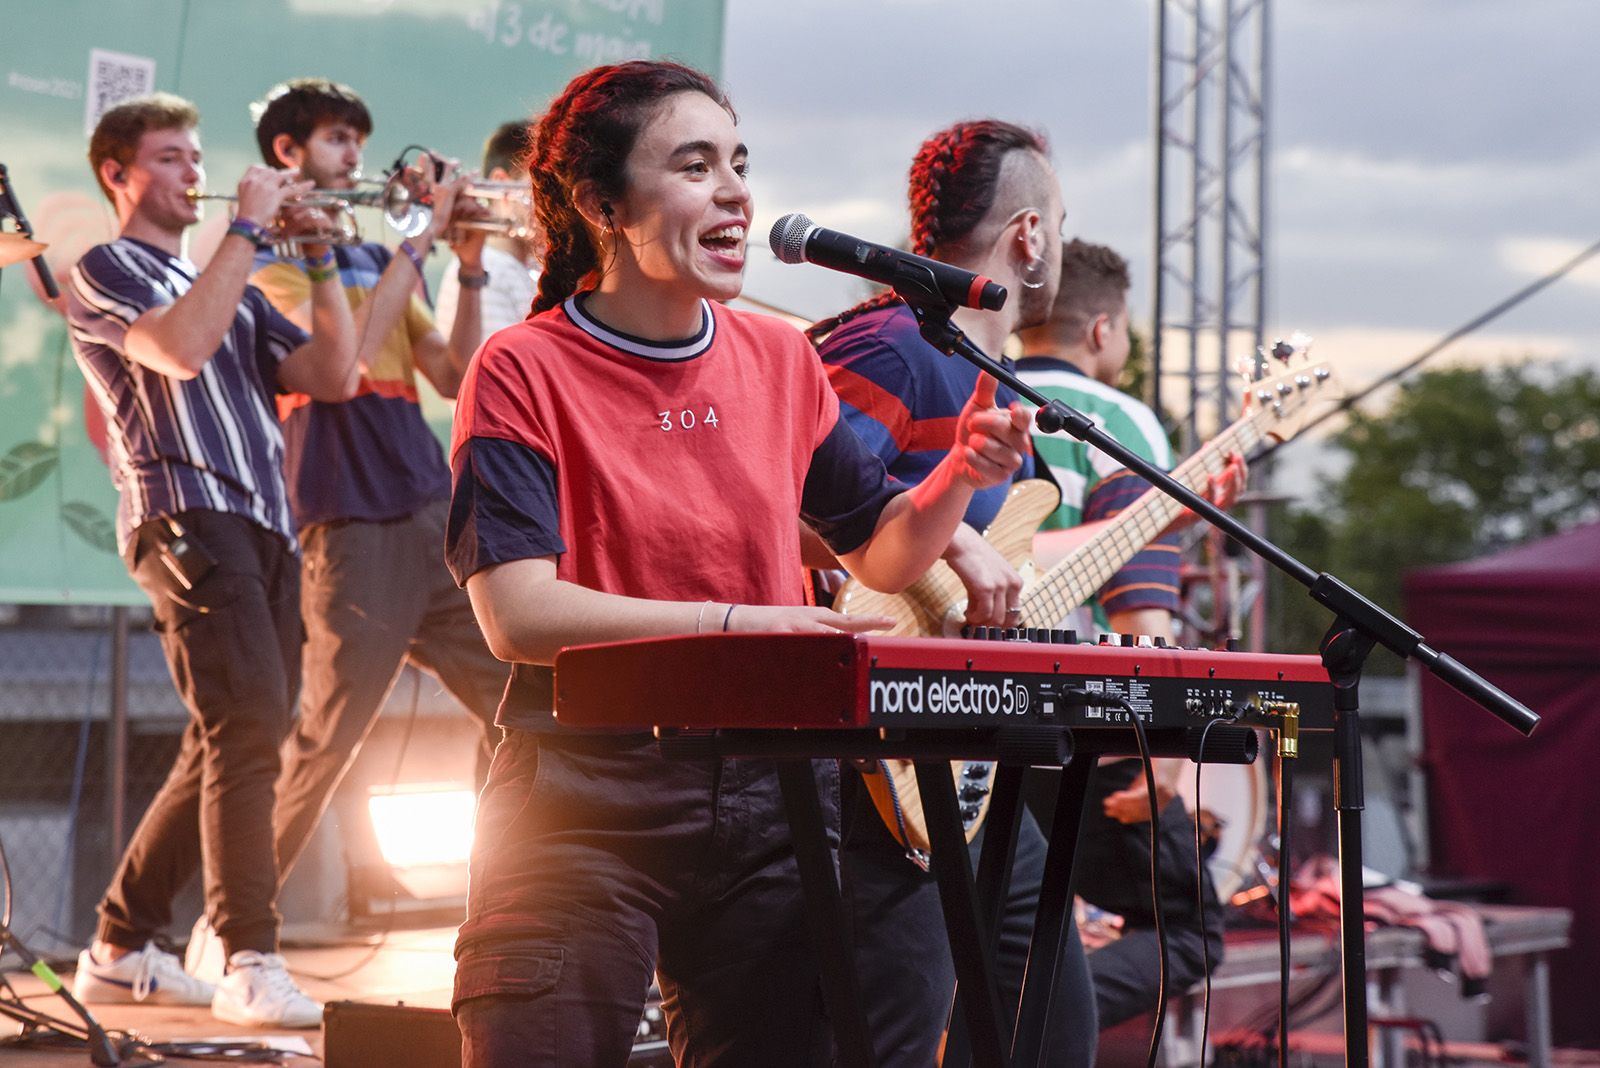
440, 73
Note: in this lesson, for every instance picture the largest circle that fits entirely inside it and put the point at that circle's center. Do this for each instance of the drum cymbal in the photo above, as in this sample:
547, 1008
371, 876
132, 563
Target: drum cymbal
14, 248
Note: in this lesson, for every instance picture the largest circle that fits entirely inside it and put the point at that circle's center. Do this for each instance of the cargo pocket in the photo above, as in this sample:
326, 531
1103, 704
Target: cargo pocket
511, 973
505, 1008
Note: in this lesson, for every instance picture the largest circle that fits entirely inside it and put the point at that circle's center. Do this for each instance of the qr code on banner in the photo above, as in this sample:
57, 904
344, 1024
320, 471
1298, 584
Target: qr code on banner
113, 78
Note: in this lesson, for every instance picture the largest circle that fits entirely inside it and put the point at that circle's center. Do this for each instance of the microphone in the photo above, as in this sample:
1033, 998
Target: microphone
796, 239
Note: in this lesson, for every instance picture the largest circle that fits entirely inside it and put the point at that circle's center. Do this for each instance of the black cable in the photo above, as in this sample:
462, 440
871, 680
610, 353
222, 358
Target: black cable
1155, 884
1285, 908
101, 1050
5, 881
1200, 894
1459, 332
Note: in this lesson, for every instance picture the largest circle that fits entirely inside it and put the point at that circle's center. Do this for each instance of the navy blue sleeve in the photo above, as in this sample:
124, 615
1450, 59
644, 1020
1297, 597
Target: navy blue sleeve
1151, 578
503, 507
846, 489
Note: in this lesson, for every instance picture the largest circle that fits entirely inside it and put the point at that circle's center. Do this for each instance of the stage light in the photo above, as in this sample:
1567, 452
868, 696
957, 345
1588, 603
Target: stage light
422, 825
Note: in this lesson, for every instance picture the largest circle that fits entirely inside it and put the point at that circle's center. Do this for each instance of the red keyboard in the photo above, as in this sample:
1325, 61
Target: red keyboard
770, 681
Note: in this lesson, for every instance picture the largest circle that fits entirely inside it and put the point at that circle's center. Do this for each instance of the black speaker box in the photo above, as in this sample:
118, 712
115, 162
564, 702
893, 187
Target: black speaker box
357, 1034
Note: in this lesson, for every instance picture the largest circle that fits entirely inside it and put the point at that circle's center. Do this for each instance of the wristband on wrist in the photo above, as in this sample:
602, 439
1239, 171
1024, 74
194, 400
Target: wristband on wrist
252, 232
413, 255
472, 281
700, 617
321, 274
727, 616
324, 260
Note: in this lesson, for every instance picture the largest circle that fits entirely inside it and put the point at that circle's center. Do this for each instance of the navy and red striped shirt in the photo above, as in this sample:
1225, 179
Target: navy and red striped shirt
902, 397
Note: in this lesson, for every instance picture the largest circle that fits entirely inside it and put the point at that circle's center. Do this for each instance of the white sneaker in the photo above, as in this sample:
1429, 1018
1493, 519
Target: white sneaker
147, 975
205, 958
258, 992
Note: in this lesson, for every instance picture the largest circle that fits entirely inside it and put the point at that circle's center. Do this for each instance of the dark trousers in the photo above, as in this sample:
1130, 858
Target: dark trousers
376, 595
903, 953
1127, 972
233, 645
597, 862
1114, 865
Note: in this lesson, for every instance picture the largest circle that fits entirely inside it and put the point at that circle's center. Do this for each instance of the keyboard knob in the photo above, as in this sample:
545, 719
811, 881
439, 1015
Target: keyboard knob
973, 792
976, 771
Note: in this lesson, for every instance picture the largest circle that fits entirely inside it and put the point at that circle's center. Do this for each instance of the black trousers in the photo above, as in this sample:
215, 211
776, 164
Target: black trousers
903, 954
1114, 865
233, 645
596, 861
375, 596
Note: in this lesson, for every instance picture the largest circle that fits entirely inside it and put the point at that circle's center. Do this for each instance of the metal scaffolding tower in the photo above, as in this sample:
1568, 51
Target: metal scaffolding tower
1210, 203
1210, 234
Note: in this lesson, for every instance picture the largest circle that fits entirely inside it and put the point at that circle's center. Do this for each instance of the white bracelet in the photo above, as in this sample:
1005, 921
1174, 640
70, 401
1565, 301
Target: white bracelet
700, 618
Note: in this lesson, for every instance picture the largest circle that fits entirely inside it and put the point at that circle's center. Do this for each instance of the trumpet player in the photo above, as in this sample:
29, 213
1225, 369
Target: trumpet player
368, 484
510, 259
183, 363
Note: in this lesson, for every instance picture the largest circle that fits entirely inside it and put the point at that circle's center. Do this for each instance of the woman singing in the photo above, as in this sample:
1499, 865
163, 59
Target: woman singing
630, 462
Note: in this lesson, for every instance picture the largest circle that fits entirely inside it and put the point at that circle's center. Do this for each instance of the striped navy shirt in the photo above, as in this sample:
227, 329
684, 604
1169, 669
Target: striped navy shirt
211, 442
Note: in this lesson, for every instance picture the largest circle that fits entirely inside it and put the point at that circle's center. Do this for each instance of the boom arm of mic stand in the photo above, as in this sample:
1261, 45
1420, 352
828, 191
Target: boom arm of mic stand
1381, 626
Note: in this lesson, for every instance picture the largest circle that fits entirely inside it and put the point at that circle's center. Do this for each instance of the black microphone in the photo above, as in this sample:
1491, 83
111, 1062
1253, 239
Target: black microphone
796, 239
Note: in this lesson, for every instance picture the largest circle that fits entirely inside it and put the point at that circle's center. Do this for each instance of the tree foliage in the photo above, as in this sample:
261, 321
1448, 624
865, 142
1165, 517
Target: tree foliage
1463, 462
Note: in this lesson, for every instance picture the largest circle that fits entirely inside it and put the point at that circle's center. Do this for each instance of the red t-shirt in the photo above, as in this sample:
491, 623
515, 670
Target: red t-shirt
667, 471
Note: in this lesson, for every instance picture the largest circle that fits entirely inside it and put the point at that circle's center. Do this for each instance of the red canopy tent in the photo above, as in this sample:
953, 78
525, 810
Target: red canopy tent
1524, 811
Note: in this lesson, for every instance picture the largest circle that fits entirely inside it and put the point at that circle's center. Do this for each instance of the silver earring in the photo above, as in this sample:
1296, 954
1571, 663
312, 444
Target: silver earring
1033, 274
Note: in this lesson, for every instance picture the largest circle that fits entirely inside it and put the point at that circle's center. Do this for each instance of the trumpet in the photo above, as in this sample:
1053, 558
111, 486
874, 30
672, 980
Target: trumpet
339, 228
407, 205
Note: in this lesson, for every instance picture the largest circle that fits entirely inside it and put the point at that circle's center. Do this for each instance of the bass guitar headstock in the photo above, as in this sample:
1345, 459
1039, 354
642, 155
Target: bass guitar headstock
1279, 402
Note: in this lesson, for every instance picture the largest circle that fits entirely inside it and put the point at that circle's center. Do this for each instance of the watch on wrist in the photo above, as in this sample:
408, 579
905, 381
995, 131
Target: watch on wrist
472, 281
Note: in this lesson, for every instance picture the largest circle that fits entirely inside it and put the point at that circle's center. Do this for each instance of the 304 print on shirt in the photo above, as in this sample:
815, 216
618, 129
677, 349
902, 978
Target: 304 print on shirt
687, 419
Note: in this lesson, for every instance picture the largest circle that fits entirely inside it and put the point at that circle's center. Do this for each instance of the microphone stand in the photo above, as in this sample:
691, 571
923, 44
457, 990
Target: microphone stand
10, 209
103, 1052
1358, 625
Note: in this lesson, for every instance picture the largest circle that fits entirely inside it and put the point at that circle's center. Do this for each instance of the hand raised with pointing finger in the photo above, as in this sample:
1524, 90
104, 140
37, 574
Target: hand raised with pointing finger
990, 441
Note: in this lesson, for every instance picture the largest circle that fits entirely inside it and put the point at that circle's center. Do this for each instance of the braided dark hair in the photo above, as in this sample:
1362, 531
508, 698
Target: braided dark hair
951, 188
586, 136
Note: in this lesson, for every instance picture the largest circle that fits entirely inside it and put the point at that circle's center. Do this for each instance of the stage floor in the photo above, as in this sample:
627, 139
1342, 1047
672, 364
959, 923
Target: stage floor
330, 964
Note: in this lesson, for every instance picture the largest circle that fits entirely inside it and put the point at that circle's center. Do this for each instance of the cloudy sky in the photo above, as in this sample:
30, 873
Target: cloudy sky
1428, 158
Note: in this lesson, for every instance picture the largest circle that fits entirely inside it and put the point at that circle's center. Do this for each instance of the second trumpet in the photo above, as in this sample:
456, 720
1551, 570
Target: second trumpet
339, 227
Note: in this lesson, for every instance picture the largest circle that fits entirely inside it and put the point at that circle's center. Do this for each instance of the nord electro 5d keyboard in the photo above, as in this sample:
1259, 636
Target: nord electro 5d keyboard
841, 681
